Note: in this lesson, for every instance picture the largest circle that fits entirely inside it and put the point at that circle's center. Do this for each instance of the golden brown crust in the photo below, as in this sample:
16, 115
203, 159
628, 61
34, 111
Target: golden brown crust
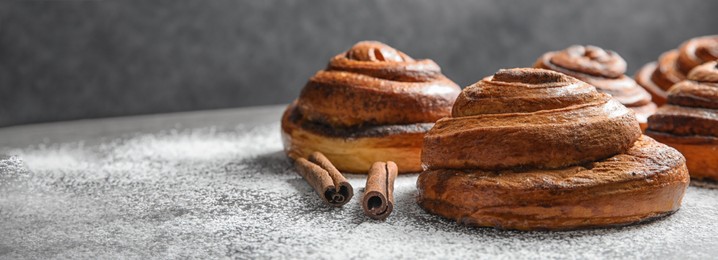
643, 78
705, 73
354, 150
685, 121
697, 51
372, 103
563, 156
498, 95
690, 120
587, 60
667, 72
673, 66
374, 84
692, 105
645, 182
603, 69
701, 152
694, 94
496, 125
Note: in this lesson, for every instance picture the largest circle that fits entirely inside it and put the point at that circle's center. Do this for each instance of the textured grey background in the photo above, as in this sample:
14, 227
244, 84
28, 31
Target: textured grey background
64, 60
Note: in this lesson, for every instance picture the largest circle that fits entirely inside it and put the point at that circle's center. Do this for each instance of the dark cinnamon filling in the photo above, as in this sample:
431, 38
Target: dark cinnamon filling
296, 117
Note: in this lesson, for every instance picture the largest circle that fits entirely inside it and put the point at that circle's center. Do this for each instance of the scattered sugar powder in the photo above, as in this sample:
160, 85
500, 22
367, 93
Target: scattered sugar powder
231, 192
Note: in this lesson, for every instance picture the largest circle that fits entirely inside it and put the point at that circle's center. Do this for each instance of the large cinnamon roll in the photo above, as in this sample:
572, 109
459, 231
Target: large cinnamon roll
534, 149
603, 69
689, 122
673, 66
372, 103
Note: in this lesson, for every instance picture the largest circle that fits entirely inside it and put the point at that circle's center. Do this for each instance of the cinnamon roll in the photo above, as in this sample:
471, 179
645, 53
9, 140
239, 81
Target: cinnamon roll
603, 69
372, 103
689, 122
673, 66
535, 149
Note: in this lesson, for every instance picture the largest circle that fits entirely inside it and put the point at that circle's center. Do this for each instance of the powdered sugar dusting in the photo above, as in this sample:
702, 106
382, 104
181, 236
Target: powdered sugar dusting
214, 192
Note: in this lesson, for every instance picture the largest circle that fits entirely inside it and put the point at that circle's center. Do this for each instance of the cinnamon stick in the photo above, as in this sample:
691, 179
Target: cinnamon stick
326, 180
378, 200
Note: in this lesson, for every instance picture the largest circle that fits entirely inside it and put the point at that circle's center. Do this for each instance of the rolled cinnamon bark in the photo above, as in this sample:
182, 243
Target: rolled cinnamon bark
326, 180
378, 200
344, 191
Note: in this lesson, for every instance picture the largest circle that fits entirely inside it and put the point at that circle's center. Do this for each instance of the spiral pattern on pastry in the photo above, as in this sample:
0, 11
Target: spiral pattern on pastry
374, 84
689, 121
528, 118
673, 66
537, 149
603, 69
371, 103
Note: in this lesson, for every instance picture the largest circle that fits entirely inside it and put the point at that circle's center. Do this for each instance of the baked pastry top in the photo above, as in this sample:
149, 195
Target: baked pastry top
692, 107
646, 182
371, 103
529, 118
603, 69
689, 121
537, 149
374, 84
673, 66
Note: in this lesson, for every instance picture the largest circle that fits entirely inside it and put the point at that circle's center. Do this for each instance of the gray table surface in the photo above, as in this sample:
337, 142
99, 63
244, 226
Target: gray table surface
216, 184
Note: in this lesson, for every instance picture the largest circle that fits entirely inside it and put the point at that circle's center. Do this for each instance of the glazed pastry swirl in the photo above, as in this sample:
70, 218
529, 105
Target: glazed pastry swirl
601, 68
529, 118
673, 66
692, 108
590, 60
535, 149
667, 72
696, 52
374, 84
371, 103
689, 122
